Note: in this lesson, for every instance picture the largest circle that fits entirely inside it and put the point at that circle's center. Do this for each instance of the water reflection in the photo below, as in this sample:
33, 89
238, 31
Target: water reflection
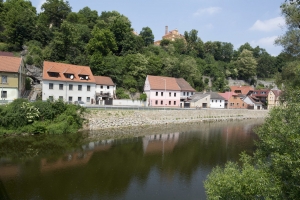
161, 166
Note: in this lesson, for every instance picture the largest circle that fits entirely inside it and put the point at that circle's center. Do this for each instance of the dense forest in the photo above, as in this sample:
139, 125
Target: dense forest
107, 43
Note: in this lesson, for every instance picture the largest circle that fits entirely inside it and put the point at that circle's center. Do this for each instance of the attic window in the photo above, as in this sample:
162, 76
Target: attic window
70, 76
53, 74
83, 77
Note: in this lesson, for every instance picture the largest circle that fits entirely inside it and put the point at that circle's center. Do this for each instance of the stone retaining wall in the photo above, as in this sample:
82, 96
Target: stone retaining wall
103, 119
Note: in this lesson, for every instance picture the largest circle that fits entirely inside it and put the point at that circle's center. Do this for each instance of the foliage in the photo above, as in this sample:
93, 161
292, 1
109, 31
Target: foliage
28, 84
120, 92
143, 97
246, 64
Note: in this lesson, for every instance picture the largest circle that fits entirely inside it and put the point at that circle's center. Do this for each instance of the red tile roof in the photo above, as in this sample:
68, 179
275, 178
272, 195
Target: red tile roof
227, 95
277, 93
103, 80
163, 83
184, 85
243, 89
9, 64
62, 69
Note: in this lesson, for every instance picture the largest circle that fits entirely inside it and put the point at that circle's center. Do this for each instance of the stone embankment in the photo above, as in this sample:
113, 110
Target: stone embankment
104, 119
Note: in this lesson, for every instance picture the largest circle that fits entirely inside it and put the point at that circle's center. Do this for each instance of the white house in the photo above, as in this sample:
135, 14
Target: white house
255, 102
186, 91
68, 82
105, 89
162, 91
216, 100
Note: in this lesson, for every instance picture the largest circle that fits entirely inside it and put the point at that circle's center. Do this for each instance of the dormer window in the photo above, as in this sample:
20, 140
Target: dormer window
53, 74
83, 77
69, 76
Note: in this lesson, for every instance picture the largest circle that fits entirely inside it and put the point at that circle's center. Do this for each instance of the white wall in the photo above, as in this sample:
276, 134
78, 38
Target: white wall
111, 89
185, 94
217, 103
66, 93
12, 93
128, 102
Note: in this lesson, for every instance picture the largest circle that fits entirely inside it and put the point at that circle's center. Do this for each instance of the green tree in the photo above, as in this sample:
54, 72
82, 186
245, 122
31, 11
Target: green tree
266, 66
147, 35
246, 64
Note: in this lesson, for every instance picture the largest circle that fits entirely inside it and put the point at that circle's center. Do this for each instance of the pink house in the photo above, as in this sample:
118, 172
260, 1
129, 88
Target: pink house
162, 91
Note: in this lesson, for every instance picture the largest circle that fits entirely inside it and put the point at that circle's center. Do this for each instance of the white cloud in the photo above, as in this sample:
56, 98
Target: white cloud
264, 42
268, 25
207, 11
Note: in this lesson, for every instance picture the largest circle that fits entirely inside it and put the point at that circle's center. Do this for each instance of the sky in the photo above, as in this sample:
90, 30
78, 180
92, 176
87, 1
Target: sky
258, 22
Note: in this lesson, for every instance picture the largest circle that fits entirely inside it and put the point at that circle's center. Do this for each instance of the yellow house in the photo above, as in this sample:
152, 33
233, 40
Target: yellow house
273, 98
12, 78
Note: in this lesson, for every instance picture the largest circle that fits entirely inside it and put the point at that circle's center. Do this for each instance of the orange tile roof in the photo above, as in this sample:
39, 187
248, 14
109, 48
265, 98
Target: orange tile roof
243, 89
163, 83
103, 80
9, 64
227, 95
62, 68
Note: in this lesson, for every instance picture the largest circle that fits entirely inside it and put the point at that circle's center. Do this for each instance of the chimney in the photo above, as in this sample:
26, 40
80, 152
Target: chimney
166, 30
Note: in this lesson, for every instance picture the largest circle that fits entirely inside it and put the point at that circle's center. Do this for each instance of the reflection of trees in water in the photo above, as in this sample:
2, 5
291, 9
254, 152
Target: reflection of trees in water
109, 169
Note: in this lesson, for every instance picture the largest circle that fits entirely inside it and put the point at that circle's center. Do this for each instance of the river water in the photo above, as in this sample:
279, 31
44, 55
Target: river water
164, 165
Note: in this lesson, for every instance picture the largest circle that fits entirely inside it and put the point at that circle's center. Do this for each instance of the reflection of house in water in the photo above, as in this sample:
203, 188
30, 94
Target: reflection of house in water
160, 143
76, 158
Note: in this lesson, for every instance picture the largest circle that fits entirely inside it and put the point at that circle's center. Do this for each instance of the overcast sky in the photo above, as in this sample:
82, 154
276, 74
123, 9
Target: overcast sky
257, 22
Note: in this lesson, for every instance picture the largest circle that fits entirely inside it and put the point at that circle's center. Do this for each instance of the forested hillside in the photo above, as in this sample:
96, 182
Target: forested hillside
106, 42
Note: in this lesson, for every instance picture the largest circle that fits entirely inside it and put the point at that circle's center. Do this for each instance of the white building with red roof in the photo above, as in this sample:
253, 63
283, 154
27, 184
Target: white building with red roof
13, 76
105, 88
162, 91
68, 82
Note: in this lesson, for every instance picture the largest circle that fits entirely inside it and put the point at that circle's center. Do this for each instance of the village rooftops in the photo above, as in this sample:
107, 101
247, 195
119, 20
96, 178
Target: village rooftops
104, 80
197, 96
241, 89
163, 83
67, 72
10, 64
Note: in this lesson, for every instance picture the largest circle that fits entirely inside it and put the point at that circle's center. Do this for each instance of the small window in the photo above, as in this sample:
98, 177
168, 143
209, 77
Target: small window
88, 99
61, 86
220, 101
101, 86
161, 94
175, 101
156, 102
183, 93
4, 79
51, 98
170, 94
174, 94
187, 94
161, 102
3, 94
79, 89
50, 86
243, 104
212, 101
169, 102
70, 99
60, 98
70, 87
156, 94
88, 88
108, 87
79, 98
237, 104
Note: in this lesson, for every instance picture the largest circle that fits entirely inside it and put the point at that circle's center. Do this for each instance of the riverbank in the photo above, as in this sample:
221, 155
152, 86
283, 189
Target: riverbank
108, 119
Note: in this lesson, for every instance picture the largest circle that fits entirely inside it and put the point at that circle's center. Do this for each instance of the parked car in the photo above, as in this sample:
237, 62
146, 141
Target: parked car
80, 103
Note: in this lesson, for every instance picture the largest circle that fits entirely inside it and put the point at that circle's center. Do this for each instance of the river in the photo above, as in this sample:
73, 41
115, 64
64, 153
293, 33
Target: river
168, 164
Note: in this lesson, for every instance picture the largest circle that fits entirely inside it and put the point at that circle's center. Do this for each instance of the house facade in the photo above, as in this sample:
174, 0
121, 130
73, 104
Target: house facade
236, 102
105, 90
13, 77
273, 98
68, 82
200, 100
186, 91
262, 95
216, 100
162, 91
253, 103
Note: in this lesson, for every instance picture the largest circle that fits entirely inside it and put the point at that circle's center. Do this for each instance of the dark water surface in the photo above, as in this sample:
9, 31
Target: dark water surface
168, 165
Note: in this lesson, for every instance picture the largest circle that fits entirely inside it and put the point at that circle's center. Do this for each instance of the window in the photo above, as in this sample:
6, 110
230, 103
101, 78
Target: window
108, 87
243, 104
183, 93
60, 98
187, 94
88, 99
79, 89
4, 79
237, 104
50, 86
101, 86
174, 94
220, 101
88, 89
161, 94
231, 104
3, 94
70, 99
79, 98
161, 102
174, 102
70, 87
170, 94
61, 86
156, 102
51, 98
191, 93
156, 94
169, 102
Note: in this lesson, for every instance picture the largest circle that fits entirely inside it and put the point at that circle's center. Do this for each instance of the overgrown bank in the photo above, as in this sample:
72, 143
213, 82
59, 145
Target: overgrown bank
57, 117
103, 119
